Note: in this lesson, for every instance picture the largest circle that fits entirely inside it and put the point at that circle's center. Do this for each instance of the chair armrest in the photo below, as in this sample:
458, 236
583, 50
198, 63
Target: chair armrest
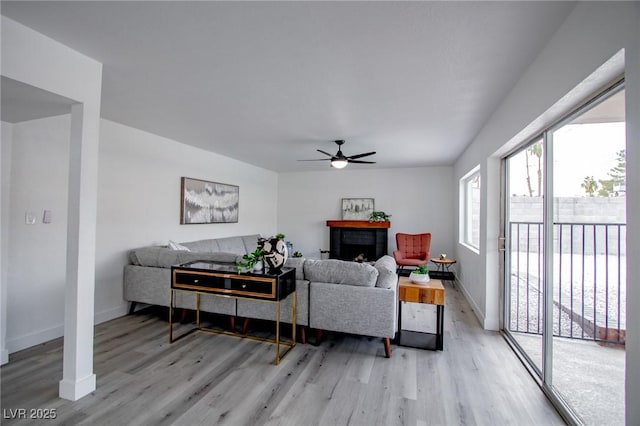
398, 254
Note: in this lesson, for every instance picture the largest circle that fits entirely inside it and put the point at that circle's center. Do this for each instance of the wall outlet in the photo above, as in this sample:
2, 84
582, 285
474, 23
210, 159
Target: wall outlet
46, 217
29, 218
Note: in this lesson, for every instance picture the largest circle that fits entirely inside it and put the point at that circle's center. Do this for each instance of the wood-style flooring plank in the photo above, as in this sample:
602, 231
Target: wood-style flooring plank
209, 379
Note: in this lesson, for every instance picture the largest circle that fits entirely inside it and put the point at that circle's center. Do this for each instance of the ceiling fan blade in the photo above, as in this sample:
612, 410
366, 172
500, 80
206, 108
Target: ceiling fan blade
319, 159
366, 154
360, 161
325, 153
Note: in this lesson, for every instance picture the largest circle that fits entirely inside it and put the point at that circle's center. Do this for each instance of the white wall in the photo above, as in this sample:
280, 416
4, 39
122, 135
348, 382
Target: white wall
591, 35
419, 200
138, 204
37, 253
139, 201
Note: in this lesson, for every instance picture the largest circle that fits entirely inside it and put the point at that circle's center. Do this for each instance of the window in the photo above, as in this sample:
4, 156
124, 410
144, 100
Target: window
470, 209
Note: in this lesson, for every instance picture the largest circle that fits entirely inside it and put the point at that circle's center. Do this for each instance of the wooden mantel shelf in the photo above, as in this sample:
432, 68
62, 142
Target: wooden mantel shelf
357, 224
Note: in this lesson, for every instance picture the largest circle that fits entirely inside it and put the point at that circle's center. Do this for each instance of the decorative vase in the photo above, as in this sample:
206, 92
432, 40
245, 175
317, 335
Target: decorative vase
419, 278
275, 254
258, 266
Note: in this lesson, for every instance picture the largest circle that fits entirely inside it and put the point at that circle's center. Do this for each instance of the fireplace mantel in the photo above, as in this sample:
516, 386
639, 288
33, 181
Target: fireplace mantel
357, 224
351, 238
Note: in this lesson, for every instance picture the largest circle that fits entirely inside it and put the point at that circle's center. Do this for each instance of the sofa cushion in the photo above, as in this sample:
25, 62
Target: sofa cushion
164, 257
250, 242
387, 276
203, 246
298, 263
239, 245
369, 311
340, 272
175, 246
232, 245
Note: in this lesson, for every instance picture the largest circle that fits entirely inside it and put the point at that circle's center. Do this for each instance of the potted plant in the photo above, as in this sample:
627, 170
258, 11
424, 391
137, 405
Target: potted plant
251, 261
420, 275
379, 217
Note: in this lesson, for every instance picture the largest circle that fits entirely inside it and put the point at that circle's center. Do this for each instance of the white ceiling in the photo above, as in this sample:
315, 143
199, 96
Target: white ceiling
270, 82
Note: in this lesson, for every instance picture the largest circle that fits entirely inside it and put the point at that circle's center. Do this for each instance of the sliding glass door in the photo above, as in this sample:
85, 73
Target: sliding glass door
524, 262
565, 259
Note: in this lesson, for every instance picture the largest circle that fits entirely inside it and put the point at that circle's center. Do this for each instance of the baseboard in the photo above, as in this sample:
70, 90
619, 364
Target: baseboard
110, 314
73, 390
4, 356
36, 338
42, 336
474, 307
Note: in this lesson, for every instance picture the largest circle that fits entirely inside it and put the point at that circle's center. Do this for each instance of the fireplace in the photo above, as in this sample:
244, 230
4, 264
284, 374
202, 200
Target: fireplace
351, 238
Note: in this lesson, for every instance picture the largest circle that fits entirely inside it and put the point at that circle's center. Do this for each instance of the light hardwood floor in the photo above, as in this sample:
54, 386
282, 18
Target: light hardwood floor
212, 379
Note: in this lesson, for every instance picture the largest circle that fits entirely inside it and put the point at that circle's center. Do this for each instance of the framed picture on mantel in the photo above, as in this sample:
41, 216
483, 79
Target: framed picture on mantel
357, 208
208, 202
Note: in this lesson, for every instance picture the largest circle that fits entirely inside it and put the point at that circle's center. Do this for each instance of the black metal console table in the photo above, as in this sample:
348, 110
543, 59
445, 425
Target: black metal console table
205, 277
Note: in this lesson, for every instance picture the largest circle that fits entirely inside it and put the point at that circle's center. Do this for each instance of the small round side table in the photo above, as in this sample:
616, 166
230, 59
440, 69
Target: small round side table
443, 271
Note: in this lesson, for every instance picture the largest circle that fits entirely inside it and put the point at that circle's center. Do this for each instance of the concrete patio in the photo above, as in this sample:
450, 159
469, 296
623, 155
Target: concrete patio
589, 376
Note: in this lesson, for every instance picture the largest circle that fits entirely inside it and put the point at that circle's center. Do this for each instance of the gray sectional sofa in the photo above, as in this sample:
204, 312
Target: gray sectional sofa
332, 295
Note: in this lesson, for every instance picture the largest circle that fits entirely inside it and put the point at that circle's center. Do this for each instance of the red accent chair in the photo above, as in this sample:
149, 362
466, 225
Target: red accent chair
413, 249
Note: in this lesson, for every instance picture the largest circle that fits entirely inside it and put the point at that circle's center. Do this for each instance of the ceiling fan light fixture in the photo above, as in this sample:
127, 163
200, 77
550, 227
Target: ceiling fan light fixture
339, 160
339, 163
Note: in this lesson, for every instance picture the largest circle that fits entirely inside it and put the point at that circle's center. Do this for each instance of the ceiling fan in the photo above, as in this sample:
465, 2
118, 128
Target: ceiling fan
340, 161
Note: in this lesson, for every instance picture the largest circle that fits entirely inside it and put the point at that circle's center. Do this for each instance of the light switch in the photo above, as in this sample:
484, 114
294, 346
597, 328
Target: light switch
46, 217
29, 218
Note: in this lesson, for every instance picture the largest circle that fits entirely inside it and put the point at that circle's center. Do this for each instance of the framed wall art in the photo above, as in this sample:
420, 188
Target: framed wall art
208, 202
357, 208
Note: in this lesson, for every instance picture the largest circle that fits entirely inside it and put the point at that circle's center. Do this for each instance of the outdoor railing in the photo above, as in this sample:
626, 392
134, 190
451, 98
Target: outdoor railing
589, 280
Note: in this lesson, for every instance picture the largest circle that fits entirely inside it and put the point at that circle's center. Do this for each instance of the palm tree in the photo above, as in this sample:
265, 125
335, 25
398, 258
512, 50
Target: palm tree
589, 185
536, 150
526, 156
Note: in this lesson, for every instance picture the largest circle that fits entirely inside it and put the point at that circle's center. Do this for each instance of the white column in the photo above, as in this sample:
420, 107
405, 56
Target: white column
78, 378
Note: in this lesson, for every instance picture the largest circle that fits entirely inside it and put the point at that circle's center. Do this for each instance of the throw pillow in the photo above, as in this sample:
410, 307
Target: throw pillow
387, 276
175, 246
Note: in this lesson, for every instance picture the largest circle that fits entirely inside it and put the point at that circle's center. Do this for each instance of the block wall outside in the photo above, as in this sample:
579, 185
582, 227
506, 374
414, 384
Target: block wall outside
597, 223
